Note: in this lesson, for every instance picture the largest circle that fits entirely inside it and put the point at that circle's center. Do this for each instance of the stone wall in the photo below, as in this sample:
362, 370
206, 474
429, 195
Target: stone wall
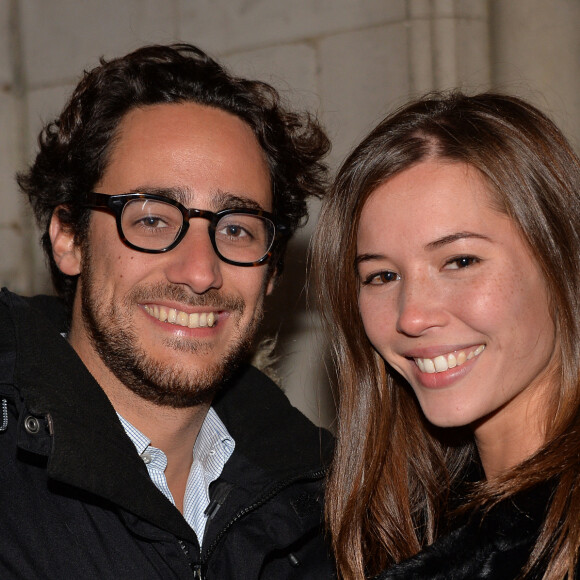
350, 60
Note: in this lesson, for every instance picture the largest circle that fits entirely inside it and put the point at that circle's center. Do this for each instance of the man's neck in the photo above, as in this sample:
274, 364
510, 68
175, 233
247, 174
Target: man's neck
174, 431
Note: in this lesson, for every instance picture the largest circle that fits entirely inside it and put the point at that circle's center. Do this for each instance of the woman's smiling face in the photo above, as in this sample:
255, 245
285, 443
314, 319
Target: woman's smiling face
452, 298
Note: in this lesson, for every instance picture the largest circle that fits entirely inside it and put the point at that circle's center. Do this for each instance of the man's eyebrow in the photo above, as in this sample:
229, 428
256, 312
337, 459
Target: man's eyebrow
174, 193
226, 200
221, 199
453, 238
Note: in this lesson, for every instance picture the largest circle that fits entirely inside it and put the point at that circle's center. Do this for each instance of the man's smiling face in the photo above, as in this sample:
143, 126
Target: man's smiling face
169, 326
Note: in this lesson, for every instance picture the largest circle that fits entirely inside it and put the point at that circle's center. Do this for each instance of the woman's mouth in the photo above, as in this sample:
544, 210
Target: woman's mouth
444, 362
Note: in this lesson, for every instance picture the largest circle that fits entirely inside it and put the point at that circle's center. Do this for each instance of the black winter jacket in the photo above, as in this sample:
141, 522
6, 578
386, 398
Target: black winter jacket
495, 547
76, 500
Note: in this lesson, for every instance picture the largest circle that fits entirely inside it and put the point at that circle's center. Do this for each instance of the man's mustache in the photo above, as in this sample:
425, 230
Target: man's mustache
214, 299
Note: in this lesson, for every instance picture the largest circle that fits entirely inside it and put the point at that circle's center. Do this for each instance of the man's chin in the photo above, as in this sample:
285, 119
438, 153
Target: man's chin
177, 385
183, 375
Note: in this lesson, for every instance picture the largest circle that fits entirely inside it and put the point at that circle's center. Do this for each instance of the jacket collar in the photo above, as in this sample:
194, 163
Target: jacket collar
268, 430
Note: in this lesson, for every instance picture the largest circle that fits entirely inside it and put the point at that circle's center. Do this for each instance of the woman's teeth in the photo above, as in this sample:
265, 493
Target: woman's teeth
193, 320
445, 362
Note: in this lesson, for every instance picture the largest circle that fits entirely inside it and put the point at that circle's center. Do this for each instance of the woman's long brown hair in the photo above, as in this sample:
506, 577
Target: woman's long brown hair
388, 492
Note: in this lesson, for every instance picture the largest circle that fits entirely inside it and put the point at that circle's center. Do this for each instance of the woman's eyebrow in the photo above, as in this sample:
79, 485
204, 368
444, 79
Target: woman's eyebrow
367, 258
449, 239
438, 243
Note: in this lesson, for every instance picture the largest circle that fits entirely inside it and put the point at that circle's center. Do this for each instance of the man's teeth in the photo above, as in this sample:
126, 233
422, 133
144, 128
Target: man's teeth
193, 320
443, 363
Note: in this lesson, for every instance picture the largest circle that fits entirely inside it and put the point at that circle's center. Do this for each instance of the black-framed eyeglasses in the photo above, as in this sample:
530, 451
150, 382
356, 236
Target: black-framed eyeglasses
155, 224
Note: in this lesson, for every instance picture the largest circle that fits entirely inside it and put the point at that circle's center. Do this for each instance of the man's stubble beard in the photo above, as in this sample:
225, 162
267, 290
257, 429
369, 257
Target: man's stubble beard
118, 346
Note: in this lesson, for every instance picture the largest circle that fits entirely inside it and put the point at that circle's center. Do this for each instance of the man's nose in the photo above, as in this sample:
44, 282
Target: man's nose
194, 262
421, 306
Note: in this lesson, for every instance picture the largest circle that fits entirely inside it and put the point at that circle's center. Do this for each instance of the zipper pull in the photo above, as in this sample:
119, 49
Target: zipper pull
220, 493
197, 572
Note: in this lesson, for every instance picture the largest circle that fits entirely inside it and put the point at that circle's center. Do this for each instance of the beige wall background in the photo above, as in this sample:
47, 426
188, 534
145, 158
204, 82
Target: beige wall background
352, 61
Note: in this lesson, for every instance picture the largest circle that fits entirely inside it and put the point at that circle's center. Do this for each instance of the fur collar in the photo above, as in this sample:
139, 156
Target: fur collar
495, 546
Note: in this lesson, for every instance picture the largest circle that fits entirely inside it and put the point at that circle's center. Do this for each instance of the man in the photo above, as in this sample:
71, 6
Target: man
135, 442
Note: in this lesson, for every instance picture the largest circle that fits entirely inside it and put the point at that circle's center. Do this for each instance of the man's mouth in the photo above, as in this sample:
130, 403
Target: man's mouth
444, 362
180, 318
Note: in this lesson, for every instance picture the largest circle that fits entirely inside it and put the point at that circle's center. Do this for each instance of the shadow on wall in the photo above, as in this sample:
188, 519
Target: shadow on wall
302, 361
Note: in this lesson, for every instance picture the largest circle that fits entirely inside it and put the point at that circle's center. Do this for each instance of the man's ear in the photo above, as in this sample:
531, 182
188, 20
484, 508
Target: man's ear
66, 253
272, 279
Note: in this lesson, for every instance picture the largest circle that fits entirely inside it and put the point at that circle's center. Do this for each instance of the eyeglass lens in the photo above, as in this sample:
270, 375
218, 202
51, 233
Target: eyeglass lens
155, 225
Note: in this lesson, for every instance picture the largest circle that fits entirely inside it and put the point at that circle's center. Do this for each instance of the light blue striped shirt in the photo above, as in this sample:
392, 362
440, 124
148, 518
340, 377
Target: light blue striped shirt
213, 447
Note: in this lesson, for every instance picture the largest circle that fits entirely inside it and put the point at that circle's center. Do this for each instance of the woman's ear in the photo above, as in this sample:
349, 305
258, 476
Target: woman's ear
66, 253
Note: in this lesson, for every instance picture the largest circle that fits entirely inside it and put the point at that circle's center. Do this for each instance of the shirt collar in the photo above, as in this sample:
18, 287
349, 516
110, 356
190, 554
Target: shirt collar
212, 436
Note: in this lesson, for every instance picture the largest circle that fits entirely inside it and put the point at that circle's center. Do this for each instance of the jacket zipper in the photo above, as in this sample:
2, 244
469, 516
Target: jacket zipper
204, 558
196, 567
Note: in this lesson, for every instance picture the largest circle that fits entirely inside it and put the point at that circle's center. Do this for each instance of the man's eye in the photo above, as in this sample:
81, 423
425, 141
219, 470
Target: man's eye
379, 278
461, 262
233, 231
153, 222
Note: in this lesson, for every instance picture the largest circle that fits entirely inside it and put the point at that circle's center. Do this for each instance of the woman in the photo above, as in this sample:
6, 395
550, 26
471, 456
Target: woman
447, 258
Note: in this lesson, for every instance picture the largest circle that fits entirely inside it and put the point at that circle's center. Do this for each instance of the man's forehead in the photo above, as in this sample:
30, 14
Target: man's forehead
203, 157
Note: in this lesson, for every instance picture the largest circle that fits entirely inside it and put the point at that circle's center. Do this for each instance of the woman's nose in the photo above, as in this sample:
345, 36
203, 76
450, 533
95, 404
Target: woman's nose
420, 307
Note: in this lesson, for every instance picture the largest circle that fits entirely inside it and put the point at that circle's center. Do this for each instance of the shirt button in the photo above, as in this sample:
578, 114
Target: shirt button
146, 457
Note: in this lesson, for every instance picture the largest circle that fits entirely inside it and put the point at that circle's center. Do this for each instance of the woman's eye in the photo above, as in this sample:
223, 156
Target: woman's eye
381, 278
461, 262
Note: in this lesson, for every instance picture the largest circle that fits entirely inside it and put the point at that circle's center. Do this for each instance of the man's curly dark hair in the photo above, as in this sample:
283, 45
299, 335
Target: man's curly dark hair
75, 148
